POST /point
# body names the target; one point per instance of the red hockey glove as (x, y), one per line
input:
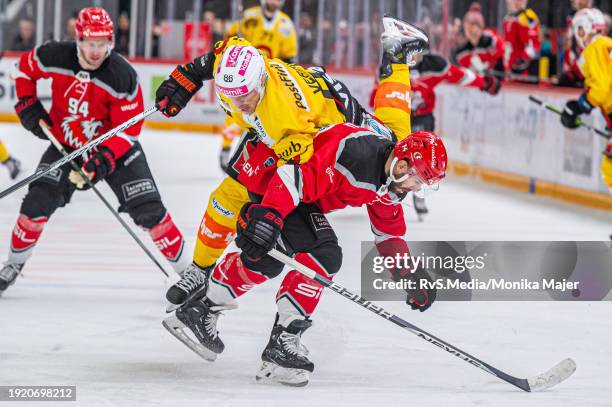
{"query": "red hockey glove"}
(422, 292)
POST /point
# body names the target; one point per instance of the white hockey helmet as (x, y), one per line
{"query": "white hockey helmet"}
(242, 69)
(586, 22)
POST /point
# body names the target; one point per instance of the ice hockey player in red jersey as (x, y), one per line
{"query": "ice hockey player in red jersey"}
(483, 51)
(93, 90)
(351, 166)
(430, 71)
(522, 39)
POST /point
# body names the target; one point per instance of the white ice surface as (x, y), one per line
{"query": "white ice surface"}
(87, 311)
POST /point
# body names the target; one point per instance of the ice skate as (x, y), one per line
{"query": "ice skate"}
(195, 324)
(193, 283)
(400, 40)
(285, 358)
(8, 275)
(13, 166)
(419, 207)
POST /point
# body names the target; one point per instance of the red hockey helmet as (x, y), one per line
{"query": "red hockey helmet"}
(425, 153)
(94, 22)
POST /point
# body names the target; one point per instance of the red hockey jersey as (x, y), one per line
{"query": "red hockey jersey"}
(85, 104)
(488, 54)
(347, 169)
(521, 37)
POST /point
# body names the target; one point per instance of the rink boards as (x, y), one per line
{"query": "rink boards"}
(503, 139)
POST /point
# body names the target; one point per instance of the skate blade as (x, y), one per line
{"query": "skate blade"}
(179, 331)
(275, 374)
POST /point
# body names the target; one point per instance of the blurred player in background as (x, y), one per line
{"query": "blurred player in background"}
(483, 51)
(570, 72)
(12, 164)
(521, 39)
(272, 32)
(588, 26)
(94, 89)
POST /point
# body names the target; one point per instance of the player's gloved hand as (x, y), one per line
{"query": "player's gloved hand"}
(258, 230)
(30, 112)
(573, 109)
(491, 85)
(423, 293)
(178, 89)
(101, 164)
(519, 66)
(224, 157)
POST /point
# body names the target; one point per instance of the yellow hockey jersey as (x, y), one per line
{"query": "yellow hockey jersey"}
(276, 38)
(295, 105)
(596, 65)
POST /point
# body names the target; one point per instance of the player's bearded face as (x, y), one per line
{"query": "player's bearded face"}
(246, 103)
(92, 52)
(411, 184)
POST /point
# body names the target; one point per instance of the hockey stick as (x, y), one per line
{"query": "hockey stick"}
(555, 375)
(93, 143)
(558, 111)
(76, 167)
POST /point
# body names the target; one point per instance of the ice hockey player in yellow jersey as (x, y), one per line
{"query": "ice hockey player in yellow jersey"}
(268, 29)
(272, 32)
(595, 63)
(12, 165)
(281, 106)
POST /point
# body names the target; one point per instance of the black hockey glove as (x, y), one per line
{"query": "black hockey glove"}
(422, 293)
(100, 165)
(178, 89)
(30, 112)
(491, 85)
(573, 109)
(258, 230)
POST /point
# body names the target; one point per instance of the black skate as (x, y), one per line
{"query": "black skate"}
(400, 41)
(8, 275)
(285, 358)
(192, 285)
(200, 319)
(14, 167)
(420, 207)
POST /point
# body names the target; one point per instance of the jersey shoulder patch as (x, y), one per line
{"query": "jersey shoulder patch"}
(358, 148)
(56, 55)
(119, 77)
